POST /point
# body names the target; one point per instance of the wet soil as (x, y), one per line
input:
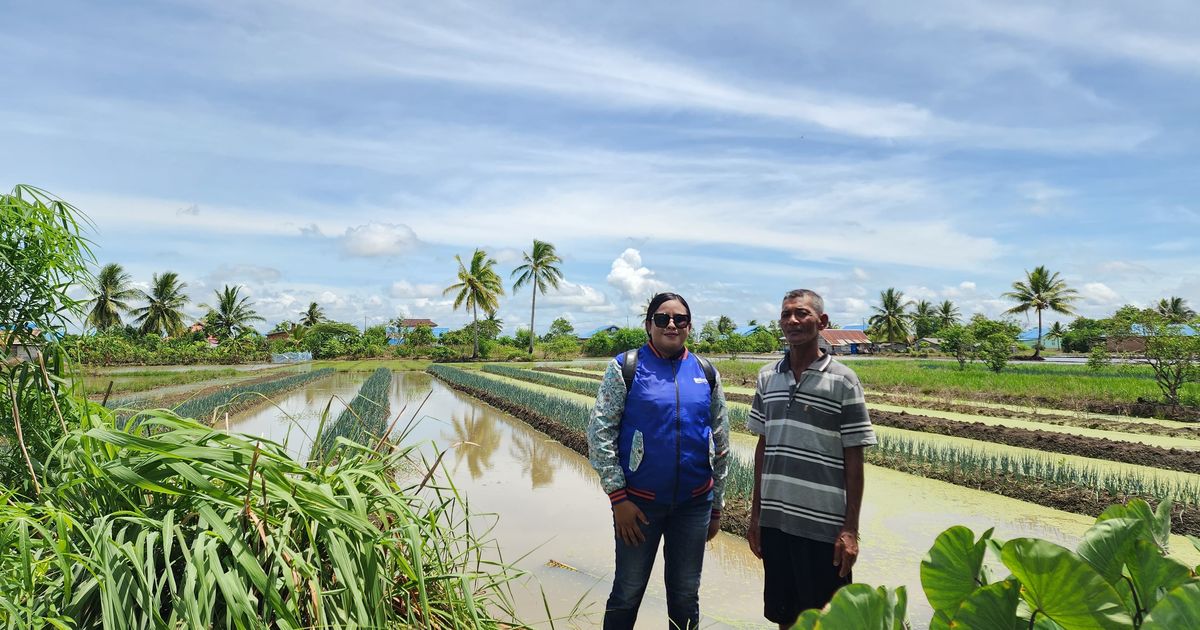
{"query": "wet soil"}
(243, 403)
(1083, 446)
(1105, 424)
(1141, 408)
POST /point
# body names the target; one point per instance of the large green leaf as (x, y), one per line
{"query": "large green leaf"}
(1154, 574)
(1062, 586)
(992, 607)
(1108, 546)
(1157, 522)
(860, 606)
(808, 620)
(1178, 610)
(950, 571)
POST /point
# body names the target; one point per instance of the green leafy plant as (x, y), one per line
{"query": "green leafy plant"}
(1119, 577)
(363, 421)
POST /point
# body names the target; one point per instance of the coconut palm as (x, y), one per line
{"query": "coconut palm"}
(478, 287)
(924, 319)
(112, 297)
(1057, 331)
(232, 315)
(1175, 310)
(1040, 291)
(312, 315)
(947, 314)
(163, 312)
(726, 325)
(890, 318)
(540, 270)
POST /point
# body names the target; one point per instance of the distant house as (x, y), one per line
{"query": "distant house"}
(929, 342)
(610, 329)
(746, 331)
(862, 327)
(31, 348)
(1136, 341)
(196, 327)
(278, 334)
(1030, 337)
(842, 341)
(396, 333)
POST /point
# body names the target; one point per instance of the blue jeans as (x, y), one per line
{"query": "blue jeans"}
(683, 529)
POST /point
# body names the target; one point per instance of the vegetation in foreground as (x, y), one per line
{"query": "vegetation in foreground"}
(1120, 577)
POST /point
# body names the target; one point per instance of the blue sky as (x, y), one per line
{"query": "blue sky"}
(345, 152)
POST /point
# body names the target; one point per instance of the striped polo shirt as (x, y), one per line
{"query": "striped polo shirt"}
(807, 427)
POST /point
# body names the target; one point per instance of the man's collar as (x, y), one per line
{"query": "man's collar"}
(819, 364)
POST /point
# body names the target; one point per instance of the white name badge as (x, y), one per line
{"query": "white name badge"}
(700, 380)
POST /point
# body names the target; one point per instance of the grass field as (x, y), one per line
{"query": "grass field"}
(142, 380)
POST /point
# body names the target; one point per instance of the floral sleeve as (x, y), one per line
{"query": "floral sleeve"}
(719, 421)
(605, 427)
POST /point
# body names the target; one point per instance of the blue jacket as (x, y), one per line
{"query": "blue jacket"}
(667, 439)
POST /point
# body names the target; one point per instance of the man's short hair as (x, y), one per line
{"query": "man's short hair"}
(814, 298)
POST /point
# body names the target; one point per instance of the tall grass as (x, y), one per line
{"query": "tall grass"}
(363, 421)
(142, 380)
(169, 523)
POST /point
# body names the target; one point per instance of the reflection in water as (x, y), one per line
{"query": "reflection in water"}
(476, 438)
(537, 461)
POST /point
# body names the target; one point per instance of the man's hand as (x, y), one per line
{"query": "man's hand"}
(754, 537)
(625, 518)
(845, 551)
(714, 526)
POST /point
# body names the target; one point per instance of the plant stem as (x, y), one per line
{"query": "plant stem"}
(37, 487)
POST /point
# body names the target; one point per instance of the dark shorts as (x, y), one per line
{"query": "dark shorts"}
(798, 575)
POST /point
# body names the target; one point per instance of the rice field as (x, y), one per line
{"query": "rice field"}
(205, 408)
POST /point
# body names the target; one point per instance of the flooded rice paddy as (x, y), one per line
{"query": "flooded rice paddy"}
(550, 518)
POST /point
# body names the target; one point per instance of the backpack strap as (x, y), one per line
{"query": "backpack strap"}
(629, 368)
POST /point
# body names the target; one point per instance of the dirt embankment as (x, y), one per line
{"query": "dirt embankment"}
(1083, 446)
(1106, 424)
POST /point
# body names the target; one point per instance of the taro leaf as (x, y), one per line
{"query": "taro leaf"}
(992, 607)
(1158, 524)
(1108, 545)
(1179, 609)
(940, 620)
(808, 620)
(1154, 574)
(951, 568)
(898, 600)
(1062, 586)
(859, 606)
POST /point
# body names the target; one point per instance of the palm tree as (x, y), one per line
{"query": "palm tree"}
(1175, 310)
(540, 269)
(890, 319)
(163, 312)
(726, 325)
(477, 286)
(112, 297)
(1040, 291)
(1056, 331)
(924, 319)
(232, 315)
(313, 315)
(947, 314)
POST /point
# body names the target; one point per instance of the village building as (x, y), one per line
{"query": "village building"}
(841, 341)
(396, 333)
(610, 329)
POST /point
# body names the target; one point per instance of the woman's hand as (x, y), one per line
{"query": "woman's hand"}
(625, 518)
(714, 526)
(754, 537)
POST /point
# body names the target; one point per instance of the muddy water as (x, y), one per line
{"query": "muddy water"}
(551, 517)
(293, 418)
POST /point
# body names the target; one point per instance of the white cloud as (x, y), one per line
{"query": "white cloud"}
(253, 273)
(579, 297)
(378, 239)
(1043, 199)
(1099, 293)
(860, 274)
(404, 289)
(635, 282)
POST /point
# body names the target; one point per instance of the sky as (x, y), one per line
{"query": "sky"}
(346, 152)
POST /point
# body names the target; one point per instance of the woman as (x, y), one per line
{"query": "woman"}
(659, 444)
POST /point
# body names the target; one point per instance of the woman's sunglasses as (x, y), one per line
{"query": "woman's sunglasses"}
(662, 319)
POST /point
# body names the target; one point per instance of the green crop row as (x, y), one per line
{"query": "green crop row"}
(737, 413)
(204, 408)
(364, 420)
(739, 482)
(970, 462)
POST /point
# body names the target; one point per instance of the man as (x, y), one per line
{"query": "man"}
(811, 419)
